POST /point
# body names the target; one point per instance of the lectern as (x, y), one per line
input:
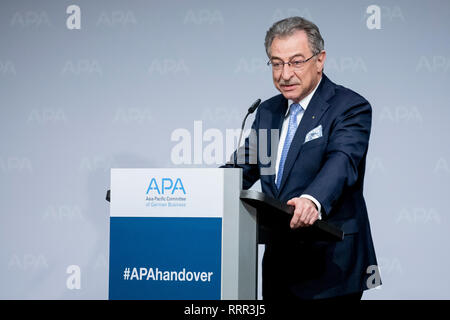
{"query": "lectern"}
(192, 234)
(181, 234)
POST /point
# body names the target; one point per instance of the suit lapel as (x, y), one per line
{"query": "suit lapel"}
(311, 119)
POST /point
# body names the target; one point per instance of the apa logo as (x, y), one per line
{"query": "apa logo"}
(203, 16)
(167, 185)
(30, 19)
(168, 66)
(80, 67)
(251, 65)
(116, 18)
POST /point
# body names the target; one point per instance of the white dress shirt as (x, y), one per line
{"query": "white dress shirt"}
(304, 103)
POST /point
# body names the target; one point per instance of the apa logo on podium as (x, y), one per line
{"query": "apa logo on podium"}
(164, 194)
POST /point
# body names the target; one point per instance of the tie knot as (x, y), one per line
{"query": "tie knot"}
(295, 109)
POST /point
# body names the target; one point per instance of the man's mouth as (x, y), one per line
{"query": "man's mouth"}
(288, 87)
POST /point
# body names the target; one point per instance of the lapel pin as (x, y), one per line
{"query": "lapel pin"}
(313, 117)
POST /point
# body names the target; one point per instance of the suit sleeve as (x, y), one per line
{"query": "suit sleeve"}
(247, 157)
(347, 145)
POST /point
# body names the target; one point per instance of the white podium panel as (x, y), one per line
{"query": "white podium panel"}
(180, 234)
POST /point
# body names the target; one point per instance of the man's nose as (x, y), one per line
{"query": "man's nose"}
(287, 72)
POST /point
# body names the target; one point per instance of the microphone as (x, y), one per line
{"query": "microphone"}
(252, 109)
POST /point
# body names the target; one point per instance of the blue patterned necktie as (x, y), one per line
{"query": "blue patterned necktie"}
(293, 113)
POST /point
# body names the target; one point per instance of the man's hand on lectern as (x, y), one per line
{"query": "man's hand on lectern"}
(305, 213)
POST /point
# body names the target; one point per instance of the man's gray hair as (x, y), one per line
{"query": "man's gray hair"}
(288, 26)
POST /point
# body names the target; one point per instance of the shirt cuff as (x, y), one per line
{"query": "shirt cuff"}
(317, 203)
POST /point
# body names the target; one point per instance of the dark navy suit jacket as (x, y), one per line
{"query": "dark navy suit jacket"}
(331, 169)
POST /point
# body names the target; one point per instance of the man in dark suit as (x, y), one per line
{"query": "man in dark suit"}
(318, 167)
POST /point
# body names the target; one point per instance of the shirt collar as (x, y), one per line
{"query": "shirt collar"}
(305, 101)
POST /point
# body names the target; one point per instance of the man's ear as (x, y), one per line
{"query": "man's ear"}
(320, 61)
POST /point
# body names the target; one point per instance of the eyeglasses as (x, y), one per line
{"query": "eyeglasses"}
(297, 64)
